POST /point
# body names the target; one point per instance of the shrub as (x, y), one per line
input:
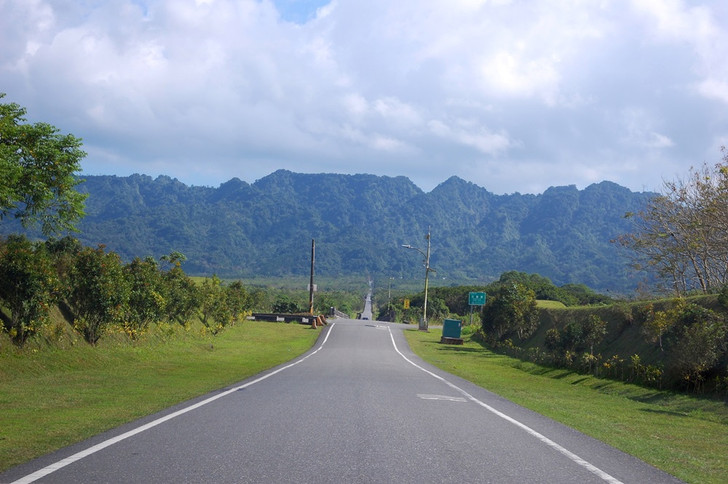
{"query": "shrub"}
(99, 292)
(27, 286)
(723, 297)
(511, 311)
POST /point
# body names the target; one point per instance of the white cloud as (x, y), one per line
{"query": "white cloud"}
(511, 75)
(396, 112)
(714, 89)
(639, 130)
(220, 88)
(702, 27)
(468, 133)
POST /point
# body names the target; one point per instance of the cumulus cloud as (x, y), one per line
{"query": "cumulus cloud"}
(512, 95)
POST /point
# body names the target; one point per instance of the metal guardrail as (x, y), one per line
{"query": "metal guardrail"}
(335, 313)
(287, 318)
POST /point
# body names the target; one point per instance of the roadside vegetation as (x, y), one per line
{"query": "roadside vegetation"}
(671, 343)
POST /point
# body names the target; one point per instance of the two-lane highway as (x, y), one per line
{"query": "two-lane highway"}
(359, 407)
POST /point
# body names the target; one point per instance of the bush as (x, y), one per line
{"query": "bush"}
(284, 305)
(723, 297)
(27, 286)
(700, 346)
(511, 311)
(99, 292)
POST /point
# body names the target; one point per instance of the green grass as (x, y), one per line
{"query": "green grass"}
(683, 435)
(50, 398)
(542, 303)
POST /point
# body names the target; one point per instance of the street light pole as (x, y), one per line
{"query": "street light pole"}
(423, 323)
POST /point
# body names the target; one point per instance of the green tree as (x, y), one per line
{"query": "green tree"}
(436, 308)
(657, 323)
(27, 286)
(215, 313)
(180, 293)
(723, 297)
(701, 345)
(238, 300)
(63, 252)
(285, 305)
(572, 337)
(37, 167)
(553, 340)
(146, 303)
(257, 298)
(595, 328)
(510, 309)
(99, 292)
(569, 294)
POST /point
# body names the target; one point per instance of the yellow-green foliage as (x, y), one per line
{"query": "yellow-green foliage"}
(550, 304)
(634, 329)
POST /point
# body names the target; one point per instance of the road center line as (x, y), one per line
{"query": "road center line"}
(575, 458)
(92, 450)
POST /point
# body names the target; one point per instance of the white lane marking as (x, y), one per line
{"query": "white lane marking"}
(92, 450)
(575, 458)
(425, 396)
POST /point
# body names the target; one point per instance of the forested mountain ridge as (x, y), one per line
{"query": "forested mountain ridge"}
(359, 223)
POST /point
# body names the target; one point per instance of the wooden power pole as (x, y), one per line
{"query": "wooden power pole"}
(310, 285)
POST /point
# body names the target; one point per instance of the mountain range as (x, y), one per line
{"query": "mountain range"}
(360, 222)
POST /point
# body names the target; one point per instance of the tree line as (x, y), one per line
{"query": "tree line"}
(91, 286)
(447, 300)
(95, 291)
(671, 343)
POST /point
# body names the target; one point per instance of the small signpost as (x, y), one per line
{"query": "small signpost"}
(475, 299)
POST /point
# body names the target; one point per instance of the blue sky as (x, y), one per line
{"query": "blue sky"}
(298, 11)
(515, 96)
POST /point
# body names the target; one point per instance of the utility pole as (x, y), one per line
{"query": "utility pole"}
(424, 326)
(423, 322)
(310, 285)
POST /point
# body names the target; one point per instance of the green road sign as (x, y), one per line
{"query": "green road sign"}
(476, 299)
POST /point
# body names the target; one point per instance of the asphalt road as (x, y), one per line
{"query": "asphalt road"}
(367, 313)
(359, 407)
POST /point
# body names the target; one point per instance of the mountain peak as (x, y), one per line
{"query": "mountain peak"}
(239, 229)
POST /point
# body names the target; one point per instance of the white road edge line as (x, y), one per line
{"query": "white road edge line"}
(575, 458)
(92, 450)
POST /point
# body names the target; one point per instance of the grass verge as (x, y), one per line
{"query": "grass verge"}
(55, 397)
(683, 435)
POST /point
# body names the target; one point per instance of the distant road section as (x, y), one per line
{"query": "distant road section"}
(367, 313)
(359, 407)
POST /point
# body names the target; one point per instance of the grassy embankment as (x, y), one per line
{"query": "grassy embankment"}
(684, 435)
(53, 397)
